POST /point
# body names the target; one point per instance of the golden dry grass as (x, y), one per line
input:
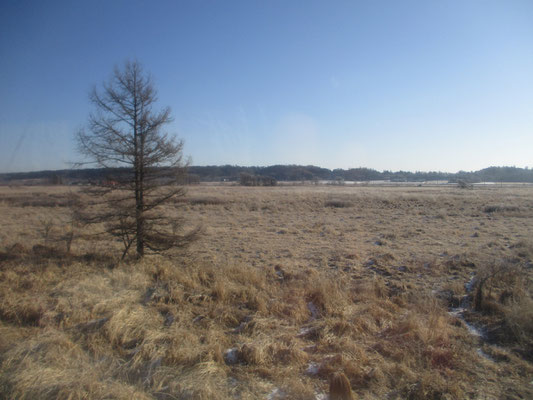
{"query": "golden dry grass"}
(287, 288)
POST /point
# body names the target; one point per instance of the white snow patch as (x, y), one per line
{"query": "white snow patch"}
(312, 369)
(484, 355)
(473, 330)
(471, 283)
(305, 331)
(276, 394)
(459, 313)
(313, 310)
(231, 356)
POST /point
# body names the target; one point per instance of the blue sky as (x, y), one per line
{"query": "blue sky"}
(412, 85)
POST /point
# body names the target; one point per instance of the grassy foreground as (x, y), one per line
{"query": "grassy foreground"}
(286, 286)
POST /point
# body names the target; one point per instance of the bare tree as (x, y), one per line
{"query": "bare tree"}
(146, 166)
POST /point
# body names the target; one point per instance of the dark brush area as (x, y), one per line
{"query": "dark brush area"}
(231, 173)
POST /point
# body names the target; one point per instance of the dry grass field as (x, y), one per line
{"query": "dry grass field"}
(412, 293)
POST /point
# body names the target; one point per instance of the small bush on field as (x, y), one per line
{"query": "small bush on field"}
(206, 201)
(338, 204)
(502, 292)
(523, 249)
(38, 200)
(464, 185)
(496, 208)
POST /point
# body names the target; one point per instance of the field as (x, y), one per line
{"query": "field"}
(412, 293)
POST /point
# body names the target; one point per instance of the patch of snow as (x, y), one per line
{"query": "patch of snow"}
(312, 369)
(473, 330)
(471, 283)
(459, 313)
(484, 355)
(305, 331)
(231, 356)
(313, 310)
(276, 394)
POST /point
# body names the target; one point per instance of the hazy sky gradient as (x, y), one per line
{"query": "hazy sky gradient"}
(412, 85)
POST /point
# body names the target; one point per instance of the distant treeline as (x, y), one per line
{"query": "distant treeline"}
(313, 173)
(233, 173)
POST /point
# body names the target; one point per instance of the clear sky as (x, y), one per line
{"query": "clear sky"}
(413, 85)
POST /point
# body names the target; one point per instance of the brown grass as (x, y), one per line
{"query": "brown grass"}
(339, 388)
(281, 297)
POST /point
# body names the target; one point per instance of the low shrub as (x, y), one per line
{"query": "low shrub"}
(338, 204)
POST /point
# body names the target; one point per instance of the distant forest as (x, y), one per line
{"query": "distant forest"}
(233, 173)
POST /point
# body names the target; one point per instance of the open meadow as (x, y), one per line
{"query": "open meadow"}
(411, 292)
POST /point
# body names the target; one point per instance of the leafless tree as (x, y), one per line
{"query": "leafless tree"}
(146, 166)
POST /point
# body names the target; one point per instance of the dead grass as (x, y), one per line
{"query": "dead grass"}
(280, 295)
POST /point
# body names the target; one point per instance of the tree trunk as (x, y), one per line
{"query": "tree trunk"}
(140, 235)
(139, 201)
(139, 212)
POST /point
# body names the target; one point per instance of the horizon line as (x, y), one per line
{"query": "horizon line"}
(281, 165)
